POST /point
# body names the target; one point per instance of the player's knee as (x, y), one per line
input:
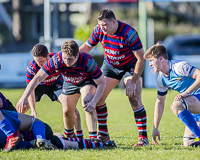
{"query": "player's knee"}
(68, 110)
(176, 107)
(86, 100)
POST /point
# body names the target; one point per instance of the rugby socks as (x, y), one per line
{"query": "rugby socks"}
(93, 134)
(141, 121)
(69, 132)
(79, 134)
(87, 144)
(7, 128)
(186, 117)
(102, 115)
(24, 145)
(39, 129)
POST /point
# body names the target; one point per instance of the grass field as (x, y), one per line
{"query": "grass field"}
(122, 129)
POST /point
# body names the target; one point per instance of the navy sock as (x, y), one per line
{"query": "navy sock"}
(186, 117)
(6, 127)
(24, 145)
(39, 129)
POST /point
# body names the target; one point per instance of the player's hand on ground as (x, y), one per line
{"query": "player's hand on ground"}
(155, 134)
(130, 89)
(22, 104)
(89, 107)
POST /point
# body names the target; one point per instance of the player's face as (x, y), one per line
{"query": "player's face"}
(107, 26)
(155, 64)
(70, 61)
(40, 60)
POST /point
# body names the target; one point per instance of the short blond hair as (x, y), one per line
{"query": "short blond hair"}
(70, 48)
(156, 51)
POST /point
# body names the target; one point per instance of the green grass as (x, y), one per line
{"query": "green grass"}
(122, 129)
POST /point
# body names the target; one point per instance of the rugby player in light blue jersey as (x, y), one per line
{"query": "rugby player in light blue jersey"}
(123, 60)
(184, 78)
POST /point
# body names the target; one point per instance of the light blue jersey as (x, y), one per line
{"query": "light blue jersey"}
(179, 79)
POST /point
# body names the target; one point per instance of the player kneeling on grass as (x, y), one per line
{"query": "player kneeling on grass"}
(179, 76)
(38, 134)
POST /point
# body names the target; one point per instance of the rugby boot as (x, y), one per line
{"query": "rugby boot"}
(141, 142)
(45, 144)
(12, 141)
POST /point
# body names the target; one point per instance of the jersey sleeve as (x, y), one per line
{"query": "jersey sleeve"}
(134, 40)
(184, 69)
(161, 89)
(30, 71)
(93, 68)
(52, 65)
(94, 37)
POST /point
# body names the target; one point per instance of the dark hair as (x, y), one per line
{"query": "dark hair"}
(40, 50)
(106, 14)
(70, 48)
(156, 51)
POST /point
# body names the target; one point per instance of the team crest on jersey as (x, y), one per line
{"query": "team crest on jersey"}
(120, 46)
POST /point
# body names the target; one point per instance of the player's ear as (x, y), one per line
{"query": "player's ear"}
(48, 57)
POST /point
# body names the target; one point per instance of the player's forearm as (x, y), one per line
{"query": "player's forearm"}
(31, 101)
(85, 47)
(99, 92)
(158, 112)
(194, 86)
(139, 67)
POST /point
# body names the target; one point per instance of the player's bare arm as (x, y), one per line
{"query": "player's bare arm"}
(139, 67)
(158, 112)
(192, 88)
(23, 102)
(101, 84)
(31, 101)
(85, 47)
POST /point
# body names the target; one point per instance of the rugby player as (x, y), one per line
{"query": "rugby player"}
(123, 60)
(38, 134)
(184, 78)
(51, 86)
(82, 77)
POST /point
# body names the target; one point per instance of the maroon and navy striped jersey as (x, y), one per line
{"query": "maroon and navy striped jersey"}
(119, 47)
(28, 135)
(33, 68)
(4, 102)
(86, 67)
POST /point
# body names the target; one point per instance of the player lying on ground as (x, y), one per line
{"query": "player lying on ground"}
(179, 76)
(38, 134)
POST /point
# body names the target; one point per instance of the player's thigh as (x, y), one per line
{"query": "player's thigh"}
(193, 104)
(26, 121)
(110, 84)
(87, 93)
(69, 102)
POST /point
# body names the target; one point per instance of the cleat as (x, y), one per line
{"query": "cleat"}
(45, 144)
(110, 143)
(101, 138)
(13, 141)
(141, 142)
(33, 143)
(195, 143)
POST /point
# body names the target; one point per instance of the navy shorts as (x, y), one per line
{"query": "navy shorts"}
(112, 72)
(12, 117)
(69, 88)
(52, 91)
